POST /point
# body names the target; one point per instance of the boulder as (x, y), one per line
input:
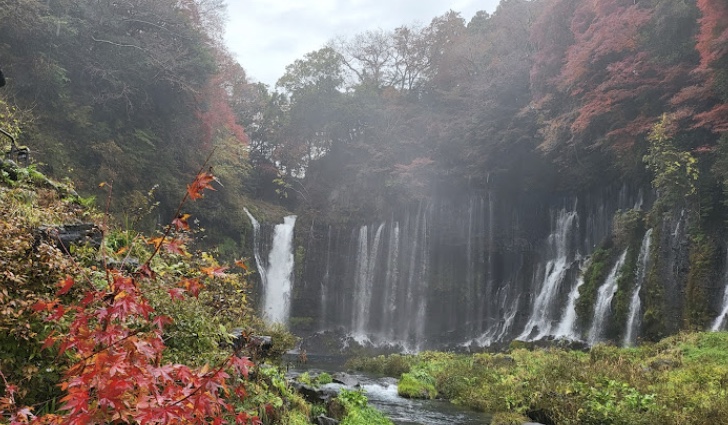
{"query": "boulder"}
(345, 379)
(312, 394)
(257, 345)
(325, 420)
(66, 235)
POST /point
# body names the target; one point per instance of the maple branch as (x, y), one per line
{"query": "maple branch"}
(208, 378)
(168, 229)
(104, 226)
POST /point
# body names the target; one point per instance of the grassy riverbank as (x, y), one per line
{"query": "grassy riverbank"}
(680, 380)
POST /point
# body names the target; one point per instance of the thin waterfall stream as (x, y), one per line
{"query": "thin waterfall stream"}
(719, 322)
(604, 300)
(633, 318)
(256, 249)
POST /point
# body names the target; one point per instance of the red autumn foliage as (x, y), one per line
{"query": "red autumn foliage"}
(117, 374)
(603, 32)
(217, 95)
(712, 43)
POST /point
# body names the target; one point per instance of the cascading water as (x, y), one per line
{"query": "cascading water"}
(633, 318)
(568, 321)
(719, 321)
(325, 282)
(366, 267)
(604, 299)
(545, 312)
(390, 282)
(470, 271)
(277, 288)
(386, 302)
(256, 249)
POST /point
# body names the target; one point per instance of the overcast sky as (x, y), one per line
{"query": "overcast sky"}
(267, 35)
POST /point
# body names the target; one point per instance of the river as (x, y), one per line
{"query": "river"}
(381, 393)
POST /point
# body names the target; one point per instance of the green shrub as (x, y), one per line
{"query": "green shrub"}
(417, 384)
(357, 410)
(508, 418)
(393, 365)
(323, 378)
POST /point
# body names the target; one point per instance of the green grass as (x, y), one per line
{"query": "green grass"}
(681, 380)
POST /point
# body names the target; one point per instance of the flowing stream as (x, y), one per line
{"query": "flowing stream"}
(381, 394)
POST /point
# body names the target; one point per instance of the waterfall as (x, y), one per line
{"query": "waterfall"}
(390, 282)
(544, 309)
(277, 290)
(366, 267)
(719, 321)
(326, 281)
(256, 249)
(604, 299)
(633, 318)
(566, 326)
(470, 299)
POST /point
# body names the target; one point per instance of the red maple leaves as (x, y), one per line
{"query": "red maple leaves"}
(202, 181)
(116, 341)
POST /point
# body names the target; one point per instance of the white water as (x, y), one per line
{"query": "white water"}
(604, 299)
(256, 249)
(568, 321)
(543, 312)
(277, 290)
(633, 318)
(366, 267)
(416, 311)
(390, 294)
(325, 281)
(719, 321)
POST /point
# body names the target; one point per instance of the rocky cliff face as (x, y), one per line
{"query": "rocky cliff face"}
(485, 268)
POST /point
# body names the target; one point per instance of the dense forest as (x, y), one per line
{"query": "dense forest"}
(543, 93)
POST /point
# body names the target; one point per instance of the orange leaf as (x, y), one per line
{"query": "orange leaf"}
(65, 285)
(241, 264)
(156, 241)
(43, 305)
(193, 286)
(202, 182)
(215, 271)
